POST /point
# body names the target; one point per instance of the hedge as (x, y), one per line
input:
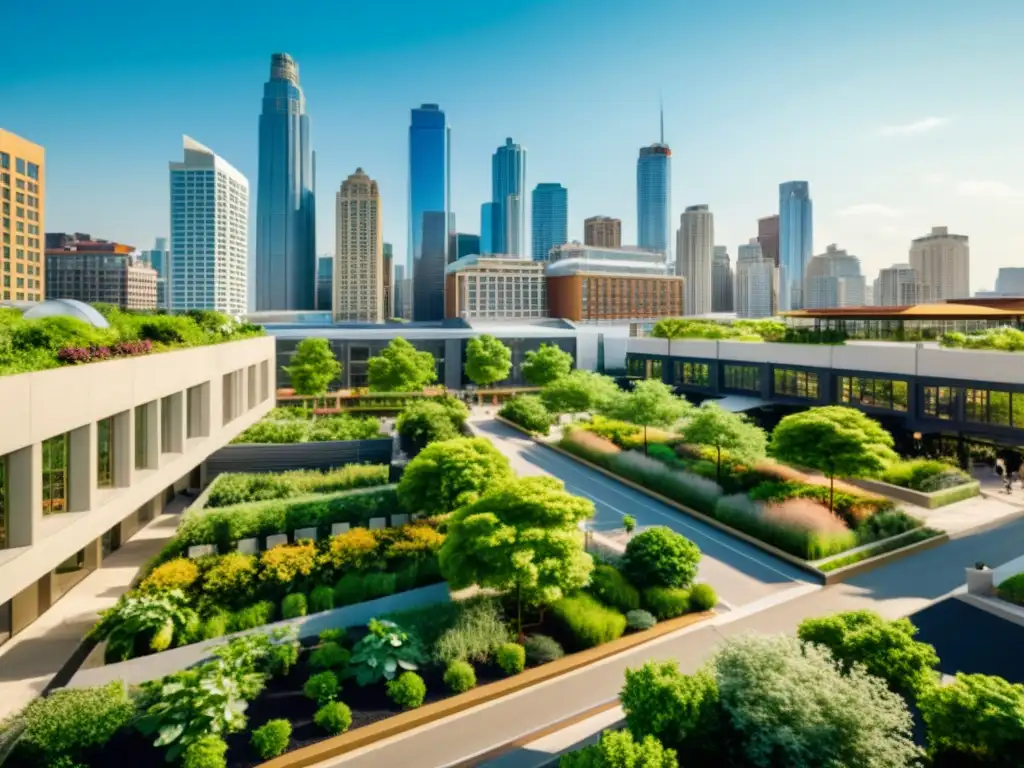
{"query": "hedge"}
(242, 487)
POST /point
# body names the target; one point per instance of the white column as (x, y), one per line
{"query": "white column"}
(25, 495)
(82, 468)
(124, 448)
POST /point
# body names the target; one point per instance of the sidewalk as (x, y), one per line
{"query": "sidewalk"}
(30, 660)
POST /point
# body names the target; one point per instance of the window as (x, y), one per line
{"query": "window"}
(997, 407)
(693, 374)
(105, 453)
(194, 407)
(653, 370)
(941, 402)
(879, 393)
(5, 522)
(792, 383)
(141, 436)
(746, 377)
(228, 397)
(55, 474)
(634, 366)
(166, 424)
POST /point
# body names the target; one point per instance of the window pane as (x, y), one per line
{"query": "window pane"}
(4, 522)
(899, 396)
(105, 453)
(999, 408)
(55, 481)
(141, 436)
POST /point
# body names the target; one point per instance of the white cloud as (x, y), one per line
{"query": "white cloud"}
(876, 210)
(913, 129)
(988, 189)
(935, 178)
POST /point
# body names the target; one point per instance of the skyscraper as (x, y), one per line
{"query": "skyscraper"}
(359, 252)
(721, 280)
(768, 237)
(462, 244)
(654, 196)
(796, 242)
(389, 278)
(23, 190)
(285, 206)
(508, 187)
(694, 247)
(159, 259)
(755, 281)
(429, 200)
(487, 229)
(602, 231)
(896, 286)
(550, 218)
(324, 283)
(833, 279)
(209, 232)
(943, 265)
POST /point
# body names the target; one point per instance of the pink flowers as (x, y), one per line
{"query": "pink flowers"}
(76, 355)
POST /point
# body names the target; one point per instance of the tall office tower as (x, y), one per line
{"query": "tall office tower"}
(833, 280)
(756, 276)
(508, 188)
(654, 196)
(389, 277)
(359, 252)
(550, 218)
(721, 280)
(869, 293)
(462, 244)
(159, 259)
(694, 247)
(768, 237)
(324, 283)
(430, 142)
(487, 229)
(23, 190)
(896, 286)
(796, 246)
(400, 306)
(1010, 281)
(943, 265)
(285, 204)
(209, 232)
(602, 231)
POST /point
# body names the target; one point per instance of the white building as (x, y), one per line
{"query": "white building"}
(943, 265)
(833, 279)
(695, 244)
(646, 260)
(495, 288)
(359, 252)
(756, 282)
(209, 233)
(897, 286)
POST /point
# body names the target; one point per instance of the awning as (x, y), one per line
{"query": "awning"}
(740, 403)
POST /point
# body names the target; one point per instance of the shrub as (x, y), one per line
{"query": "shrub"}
(609, 586)
(702, 597)
(977, 716)
(322, 687)
(349, 590)
(179, 573)
(640, 620)
(384, 651)
(529, 412)
(321, 599)
(586, 622)
(666, 602)
(679, 710)
(231, 489)
(449, 474)
(619, 749)
(141, 623)
(618, 432)
(329, 655)
(252, 616)
(477, 633)
(205, 752)
(460, 676)
(271, 739)
(407, 690)
(282, 657)
(916, 474)
(334, 717)
(426, 421)
(333, 635)
(1012, 589)
(354, 550)
(281, 566)
(583, 443)
(511, 657)
(230, 581)
(278, 432)
(414, 542)
(293, 606)
(379, 584)
(682, 487)
(660, 557)
(798, 526)
(541, 649)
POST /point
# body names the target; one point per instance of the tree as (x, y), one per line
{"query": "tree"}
(651, 403)
(545, 365)
(660, 557)
(452, 473)
(487, 360)
(886, 649)
(529, 412)
(976, 716)
(580, 391)
(313, 367)
(425, 422)
(400, 367)
(671, 328)
(618, 749)
(835, 441)
(628, 524)
(524, 536)
(720, 429)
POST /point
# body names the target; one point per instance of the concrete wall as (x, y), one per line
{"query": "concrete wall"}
(248, 457)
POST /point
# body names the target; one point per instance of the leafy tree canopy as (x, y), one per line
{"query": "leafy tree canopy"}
(429, 421)
(618, 749)
(731, 432)
(448, 474)
(977, 715)
(400, 367)
(545, 365)
(651, 403)
(660, 557)
(488, 361)
(835, 440)
(580, 391)
(313, 367)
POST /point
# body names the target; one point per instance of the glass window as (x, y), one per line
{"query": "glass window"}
(746, 377)
(141, 436)
(880, 393)
(105, 453)
(55, 474)
(693, 374)
(166, 422)
(653, 370)
(793, 383)
(68, 574)
(940, 402)
(4, 514)
(635, 366)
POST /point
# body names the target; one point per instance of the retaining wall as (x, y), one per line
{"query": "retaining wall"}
(273, 457)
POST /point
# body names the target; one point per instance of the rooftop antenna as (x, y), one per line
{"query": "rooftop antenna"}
(661, 111)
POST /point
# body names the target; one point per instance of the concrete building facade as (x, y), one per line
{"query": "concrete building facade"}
(359, 252)
(695, 242)
(756, 282)
(481, 288)
(721, 281)
(101, 271)
(158, 257)
(602, 231)
(22, 223)
(943, 265)
(897, 286)
(833, 280)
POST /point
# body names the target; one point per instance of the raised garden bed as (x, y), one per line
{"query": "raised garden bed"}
(932, 500)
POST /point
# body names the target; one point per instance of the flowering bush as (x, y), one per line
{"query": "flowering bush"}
(283, 565)
(798, 526)
(75, 355)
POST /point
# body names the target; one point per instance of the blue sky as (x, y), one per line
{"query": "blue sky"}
(902, 115)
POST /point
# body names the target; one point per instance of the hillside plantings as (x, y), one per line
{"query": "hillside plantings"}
(529, 412)
(244, 487)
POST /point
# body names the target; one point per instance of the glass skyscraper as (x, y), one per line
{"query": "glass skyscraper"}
(796, 245)
(429, 200)
(550, 219)
(508, 186)
(487, 229)
(285, 213)
(654, 198)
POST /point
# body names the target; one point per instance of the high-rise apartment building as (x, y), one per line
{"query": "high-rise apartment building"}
(833, 280)
(389, 277)
(487, 229)
(359, 252)
(22, 200)
(429, 210)
(694, 247)
(768, 237)
(943, 265)
(721, 280)
(550, 218)
(508, 191)
(101, 271)
(602, 231)
(462, 244)
(654, 198)
(796, 242)
(159, 259)
(285, 276)
(896, 286)
(209, 232)
(324, 283)
(401, 301)
(756, 278)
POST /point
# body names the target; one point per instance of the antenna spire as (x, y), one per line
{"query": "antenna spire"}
(661, 111)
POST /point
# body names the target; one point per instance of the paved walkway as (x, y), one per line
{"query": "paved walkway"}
(30, 660)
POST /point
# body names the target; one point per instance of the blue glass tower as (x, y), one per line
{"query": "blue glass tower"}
(550, 219)
(654, 198)
(796, 246)
(285, 213)
(508, 187)
(429, 198)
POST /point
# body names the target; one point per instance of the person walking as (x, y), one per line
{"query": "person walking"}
(1003, 473)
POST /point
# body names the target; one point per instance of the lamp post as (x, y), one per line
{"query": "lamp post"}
(917, 443)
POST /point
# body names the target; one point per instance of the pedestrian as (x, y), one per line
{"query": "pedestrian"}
(1013, 466)
(1003, 474)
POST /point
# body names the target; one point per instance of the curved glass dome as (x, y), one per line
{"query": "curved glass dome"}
(67, 308)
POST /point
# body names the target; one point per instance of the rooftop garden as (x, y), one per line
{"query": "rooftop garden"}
(52, 342)
(1004, 339)
(675, 329)
(302, 425)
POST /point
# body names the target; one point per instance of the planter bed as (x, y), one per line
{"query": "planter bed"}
(894, 544)
(932, 500)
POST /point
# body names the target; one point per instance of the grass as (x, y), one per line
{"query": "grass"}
(914, 537)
